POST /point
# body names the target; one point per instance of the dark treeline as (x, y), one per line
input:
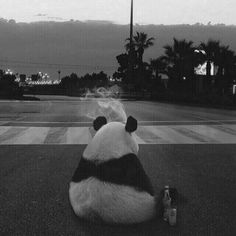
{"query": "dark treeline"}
(9, 88)
(172, 76)
(71, 85)
(74, 85)
(90, 43)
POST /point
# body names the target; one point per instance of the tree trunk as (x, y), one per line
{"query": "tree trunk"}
(208, 69)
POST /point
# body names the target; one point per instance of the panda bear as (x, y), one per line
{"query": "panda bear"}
(110, 184)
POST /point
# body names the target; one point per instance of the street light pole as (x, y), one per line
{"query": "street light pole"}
(59, 75)
(131, 49)
(131, 23)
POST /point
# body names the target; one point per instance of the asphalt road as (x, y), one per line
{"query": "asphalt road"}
(74, 111)
(34, 178)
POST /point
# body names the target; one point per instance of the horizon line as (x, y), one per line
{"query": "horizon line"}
(104, 22)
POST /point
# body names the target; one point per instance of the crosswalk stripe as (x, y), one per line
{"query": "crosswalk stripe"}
(162, 134)
(3, 129)
(56, 135)
(31, 135)
(213, 134)
(191, 135)
(231, 129)
(78, 135)
(151, 135)
(11, 134)
(172, 135)
(139, 140)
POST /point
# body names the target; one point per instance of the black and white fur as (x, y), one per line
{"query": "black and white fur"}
(110, 184)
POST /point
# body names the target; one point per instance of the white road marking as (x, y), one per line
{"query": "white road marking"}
(46, 122)
(214, 134)
(139, 140)
(33, 135)
(169, 135)
(187, 121)
(3, 129)
(163, 134)
(140, 122)
(78, 135)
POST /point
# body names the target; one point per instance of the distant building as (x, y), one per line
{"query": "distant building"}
(34, 77)
(22, 78)
(1, 73)
(201, 69)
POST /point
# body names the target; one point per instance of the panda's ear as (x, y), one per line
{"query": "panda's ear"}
(131, 124)
(99, 122)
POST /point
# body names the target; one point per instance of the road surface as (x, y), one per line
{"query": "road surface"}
(190, 148)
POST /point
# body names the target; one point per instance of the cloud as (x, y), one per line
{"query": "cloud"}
(55, 18)
(49, 17)
(99, 22)
(40, 14)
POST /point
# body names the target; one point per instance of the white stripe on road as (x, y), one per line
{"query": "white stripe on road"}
(174, 134)
(78, 135)
(213, 133)
(32, 135)
(168, 135)
(90, 122)
(3, 129)
(46, 122)
(139, 140)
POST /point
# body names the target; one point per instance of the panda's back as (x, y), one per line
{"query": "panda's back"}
(96, 200)
(126, 171)
(116, 191)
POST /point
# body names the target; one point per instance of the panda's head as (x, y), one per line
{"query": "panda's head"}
(112, 140)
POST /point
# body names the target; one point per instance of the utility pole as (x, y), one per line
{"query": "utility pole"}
(131, 49)
(131, 23)
(59, 74)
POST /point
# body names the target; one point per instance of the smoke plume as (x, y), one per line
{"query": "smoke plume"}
(104, 102)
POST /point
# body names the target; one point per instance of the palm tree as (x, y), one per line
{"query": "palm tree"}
(180, 58)
(157, 66)
(141, 42)
(211, 49)
(225, 61)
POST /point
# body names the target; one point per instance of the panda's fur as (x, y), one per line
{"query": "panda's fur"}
(110, 184)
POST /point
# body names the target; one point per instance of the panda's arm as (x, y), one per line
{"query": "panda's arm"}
(84, 170)
(136, 174)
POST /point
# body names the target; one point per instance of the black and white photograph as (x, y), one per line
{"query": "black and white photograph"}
(117, 117)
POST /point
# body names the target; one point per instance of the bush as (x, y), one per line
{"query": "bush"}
(10, 89)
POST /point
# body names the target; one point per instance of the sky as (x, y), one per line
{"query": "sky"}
(118, 11)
